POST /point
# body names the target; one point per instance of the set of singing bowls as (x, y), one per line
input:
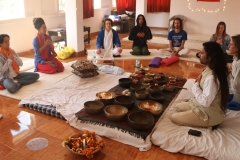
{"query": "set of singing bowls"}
(150, 106)
(125, 82)
(93, 107)
(115, 112)
(106, 97)
(136, 86)
(126, 101)
(141, 120)
(156, 89)
(141, 94)
(158, 97)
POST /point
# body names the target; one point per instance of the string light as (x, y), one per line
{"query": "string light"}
(204, 10)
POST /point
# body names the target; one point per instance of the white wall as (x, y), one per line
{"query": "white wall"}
(204, 22)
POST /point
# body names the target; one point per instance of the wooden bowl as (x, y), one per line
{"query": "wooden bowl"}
(97, 138)
(115, 112)
(106, 97)
(125, 82)
(93, 107)
(150, 106)
(126, 101)
(141, 120)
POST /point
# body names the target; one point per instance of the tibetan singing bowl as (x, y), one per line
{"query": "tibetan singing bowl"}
(150, 106)
(141, 120)
(106, 97)
(93, 107)
(115, 112)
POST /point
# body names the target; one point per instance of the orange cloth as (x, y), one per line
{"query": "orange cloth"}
(5, 53)
(44, 54)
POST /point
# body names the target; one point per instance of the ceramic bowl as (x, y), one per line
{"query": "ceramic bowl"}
(125, 82)
(141, 94)
(106, 97)
(137, 86)
(158, 97)
(126, 101)
(141, 120)
(115, 112)
(93, 107)
(150, 106)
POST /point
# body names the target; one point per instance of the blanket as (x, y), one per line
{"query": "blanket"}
(221, 143)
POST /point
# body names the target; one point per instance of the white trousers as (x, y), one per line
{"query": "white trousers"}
(167, 51)
(103, 52)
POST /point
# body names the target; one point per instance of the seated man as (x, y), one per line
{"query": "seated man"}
(108, 42)
(177, 38)
(140, 34)
(210, 90)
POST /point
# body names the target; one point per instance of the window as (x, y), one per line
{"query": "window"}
(114, 6)
(11, 9)
(97, 4)
(61, 4)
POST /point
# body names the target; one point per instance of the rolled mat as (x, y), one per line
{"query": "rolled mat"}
(233, 106)
(170, 60)
(1, 87)
(155, 63)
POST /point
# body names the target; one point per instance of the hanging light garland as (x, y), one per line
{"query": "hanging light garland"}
(206, 10)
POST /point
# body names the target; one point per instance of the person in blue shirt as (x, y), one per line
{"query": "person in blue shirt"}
(221, 37)
(108, 42)
(177, 37)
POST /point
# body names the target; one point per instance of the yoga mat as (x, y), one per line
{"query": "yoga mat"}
(155, 63)
(233, 106)
(170, 60)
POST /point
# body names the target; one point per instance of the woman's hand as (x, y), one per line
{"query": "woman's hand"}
(230, 68)
(219, 41)
(48, 42)
(11, 56)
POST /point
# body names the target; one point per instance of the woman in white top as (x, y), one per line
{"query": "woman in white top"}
(234, 76)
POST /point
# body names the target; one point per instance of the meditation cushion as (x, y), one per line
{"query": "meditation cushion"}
(155, 63)
(84, 69)
(170, 60)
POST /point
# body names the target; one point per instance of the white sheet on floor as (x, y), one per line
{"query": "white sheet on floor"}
(194, 41)
(125, 55)
(44, 81)
(221, 144)
(69, 95)
(28, 63)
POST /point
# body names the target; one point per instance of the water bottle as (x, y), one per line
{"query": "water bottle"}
(94, 60)
(137, 63)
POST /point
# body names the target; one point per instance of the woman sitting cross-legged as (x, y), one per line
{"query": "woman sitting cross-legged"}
(140, 34)
(108, 42)
(44, 54)
(10, 76)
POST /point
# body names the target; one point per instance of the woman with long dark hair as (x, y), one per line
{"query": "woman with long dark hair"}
(139, 35)
(221, 37)
(234, 76)
(210, 91)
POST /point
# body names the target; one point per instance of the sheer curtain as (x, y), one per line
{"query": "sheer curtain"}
(158, 5)
(88, 9)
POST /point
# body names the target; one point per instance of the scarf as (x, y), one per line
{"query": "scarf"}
(5, 53)
(45, 54)
(108, 44)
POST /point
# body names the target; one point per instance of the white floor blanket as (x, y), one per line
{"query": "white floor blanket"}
(44, 81)
(125, 55)
(28, 63)
(194, 41)
(69, 95)
(221, 144)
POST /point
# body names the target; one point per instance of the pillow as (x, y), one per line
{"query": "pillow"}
(86, 74)
(82, 66)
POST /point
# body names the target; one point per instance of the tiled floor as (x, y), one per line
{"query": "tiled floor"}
(19, 125)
